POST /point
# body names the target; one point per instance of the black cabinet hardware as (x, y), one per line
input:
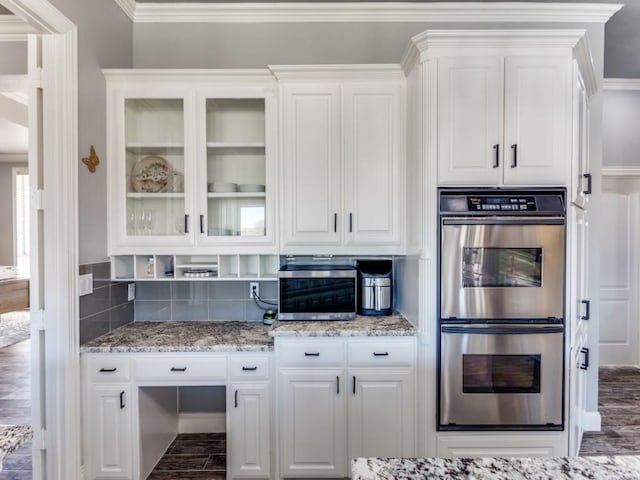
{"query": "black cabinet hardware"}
(585, 364)
(350, 222)
(249, 369)
(514, 162)
(236, 399)
(122, 400)
(186, 223)
(496, 147)
(587, 310)
(335, 222)
(588, 190)
(354, 384)
(178, 369)
(338, 384)
(108, 370)
(380, 354)
(201, 223)
(311, 354)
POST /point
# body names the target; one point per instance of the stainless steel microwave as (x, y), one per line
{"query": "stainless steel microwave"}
(317, 292)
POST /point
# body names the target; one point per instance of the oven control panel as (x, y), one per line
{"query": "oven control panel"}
(490, 203)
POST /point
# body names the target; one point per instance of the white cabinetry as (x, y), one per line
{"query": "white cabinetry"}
(343, 163)
(192, 161)
(504, 120)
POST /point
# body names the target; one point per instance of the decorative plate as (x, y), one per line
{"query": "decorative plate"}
(150, 175)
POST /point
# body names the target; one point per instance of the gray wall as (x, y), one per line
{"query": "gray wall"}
(6, 212)
(621, 121)
(13, 58)
(104, 41)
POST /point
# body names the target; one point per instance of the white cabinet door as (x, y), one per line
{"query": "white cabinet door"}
(577, 396)
(381, 413)
(311, 166)
(581, 189)
(470, 113)
(313, 423)
(581, 299)
(372, 142)
(109, 432)
(537, 129)
(248, 431)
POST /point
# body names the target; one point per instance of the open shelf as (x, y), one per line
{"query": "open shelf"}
(154, 195)
(237, 195)
(154, 148)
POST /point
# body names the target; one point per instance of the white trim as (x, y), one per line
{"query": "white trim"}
(14, 157)
(592, 422)
(168, 76)
(41, 15)
(367, 12)
(582, 54)
(621, 171)
(12, 29)
(621, 84)
(337, 72)
(14, 83)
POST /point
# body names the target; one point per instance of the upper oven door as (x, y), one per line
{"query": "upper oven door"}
(502, 268)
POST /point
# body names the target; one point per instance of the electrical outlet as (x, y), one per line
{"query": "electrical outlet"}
(85, 284)
(254, 287)
(131, 292)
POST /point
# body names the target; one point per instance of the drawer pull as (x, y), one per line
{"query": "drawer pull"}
(338, 384)
(249, 369)
(108, 370)
(122, 405)
(311, 354)
(354, 384)
(380, 354)
(236, 399)
(178, 369)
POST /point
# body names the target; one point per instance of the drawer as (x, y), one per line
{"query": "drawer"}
(180, 368)
(312, 354)
(390, 353)
(108, 368)
(249, 368)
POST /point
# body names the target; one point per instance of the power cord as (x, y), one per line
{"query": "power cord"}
(257, 298)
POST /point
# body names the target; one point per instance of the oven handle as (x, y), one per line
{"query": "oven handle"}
(504, 221)
(502, 330)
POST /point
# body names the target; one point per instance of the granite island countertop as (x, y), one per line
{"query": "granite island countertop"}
(204, 336)
(393, 325)
(556, 468)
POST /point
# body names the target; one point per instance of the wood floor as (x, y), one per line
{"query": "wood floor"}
(619, 405)
(15, 405)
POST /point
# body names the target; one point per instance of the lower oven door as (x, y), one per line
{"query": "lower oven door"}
(504, 376)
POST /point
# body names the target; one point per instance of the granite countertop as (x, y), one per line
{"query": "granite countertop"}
(559, 468)
(183, 337)
(11, 437)
(392, 325)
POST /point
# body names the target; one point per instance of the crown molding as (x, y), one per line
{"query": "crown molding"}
(210, 76)
(621, 84)
(582, 54)
(367, 12)
(410, 58)
(337, 72)
(43, 17)
(12, 29)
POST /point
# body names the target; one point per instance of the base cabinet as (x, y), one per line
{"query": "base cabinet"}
(248, 428)
(109, 434)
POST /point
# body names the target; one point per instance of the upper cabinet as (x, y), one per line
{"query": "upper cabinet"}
(342, 164)
(192, 162)
(503, 120)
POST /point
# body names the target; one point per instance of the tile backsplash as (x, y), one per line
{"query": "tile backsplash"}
(200, 300)
(107, 307)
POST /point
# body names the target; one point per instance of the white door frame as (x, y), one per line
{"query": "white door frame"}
(54, 280)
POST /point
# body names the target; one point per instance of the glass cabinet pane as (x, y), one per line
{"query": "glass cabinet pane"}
(236, 179)
(155, 167)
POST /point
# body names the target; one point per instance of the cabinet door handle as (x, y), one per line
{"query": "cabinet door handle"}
(178, 369)
(588, 190)
(496, 147)
(249, 369)
(338, 384)
(350, 222)
(514, 162)
(587, 310)
(186, 223)
(335, 222)
(585, 364)
(380, 354)
(108, 370)
(201, 223)
(122, 405)
(354, 384)
(311, 354)
(236, 399)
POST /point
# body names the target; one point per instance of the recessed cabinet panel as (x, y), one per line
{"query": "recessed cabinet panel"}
(469, 120)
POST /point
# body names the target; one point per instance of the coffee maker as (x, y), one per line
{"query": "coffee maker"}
(375, 284)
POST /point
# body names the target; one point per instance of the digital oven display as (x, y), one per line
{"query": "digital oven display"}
(501, 204)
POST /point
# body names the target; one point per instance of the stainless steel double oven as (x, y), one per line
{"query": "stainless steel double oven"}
(501, 331)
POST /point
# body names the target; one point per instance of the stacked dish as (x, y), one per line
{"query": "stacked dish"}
(222, 187)
(250, 187)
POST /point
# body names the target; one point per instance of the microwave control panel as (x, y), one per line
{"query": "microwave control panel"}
(520, 204)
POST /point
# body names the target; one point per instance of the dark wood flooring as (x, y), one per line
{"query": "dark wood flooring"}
(15, 405)
(619, 405)
(193, 456)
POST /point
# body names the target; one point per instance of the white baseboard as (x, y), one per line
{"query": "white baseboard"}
(592, 421)
(202, 422)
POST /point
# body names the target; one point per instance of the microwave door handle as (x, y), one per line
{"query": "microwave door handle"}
(468, 330)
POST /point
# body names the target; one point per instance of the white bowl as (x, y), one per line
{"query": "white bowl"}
(222, 187)
(250, 187)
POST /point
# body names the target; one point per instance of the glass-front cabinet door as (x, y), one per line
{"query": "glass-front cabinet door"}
(235, 171)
